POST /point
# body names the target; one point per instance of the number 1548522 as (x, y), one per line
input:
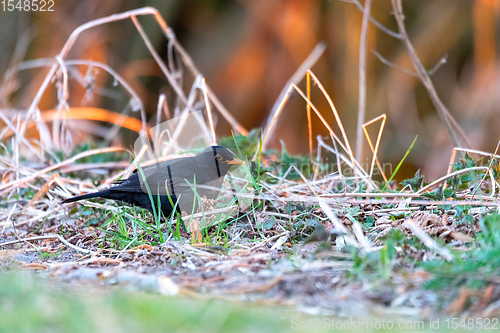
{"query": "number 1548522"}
(27, 5)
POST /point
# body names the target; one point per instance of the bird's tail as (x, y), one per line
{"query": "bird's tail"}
(85, 196)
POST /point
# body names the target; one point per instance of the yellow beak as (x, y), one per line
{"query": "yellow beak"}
(235, 161)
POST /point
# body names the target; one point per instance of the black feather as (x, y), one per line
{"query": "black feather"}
(171, 182)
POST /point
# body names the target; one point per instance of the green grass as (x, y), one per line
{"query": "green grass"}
(32, 304)
(399, 164)
(475, 268)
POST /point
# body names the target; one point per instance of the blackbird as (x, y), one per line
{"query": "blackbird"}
(185, 180)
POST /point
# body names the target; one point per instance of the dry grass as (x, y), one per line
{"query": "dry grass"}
(257, 240)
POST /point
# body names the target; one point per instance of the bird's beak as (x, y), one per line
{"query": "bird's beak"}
(235, 161)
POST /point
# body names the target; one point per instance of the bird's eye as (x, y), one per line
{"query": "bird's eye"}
(218, 157)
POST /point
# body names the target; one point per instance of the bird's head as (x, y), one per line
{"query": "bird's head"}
(220, 158)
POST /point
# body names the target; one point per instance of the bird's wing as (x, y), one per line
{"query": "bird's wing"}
(136, 171)
(155, 185)
(168, 176)
(163, 163)
(173, 176)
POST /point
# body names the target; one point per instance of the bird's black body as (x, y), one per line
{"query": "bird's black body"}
(180, 182)
(139, 199)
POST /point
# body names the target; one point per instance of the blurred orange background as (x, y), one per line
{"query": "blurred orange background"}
(248, 49)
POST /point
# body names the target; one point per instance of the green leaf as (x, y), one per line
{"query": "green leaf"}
(415, 183)
(468, 219)
(370, 221)
(449, 192)
(434, 195)
(269, 223)
(92, 221)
